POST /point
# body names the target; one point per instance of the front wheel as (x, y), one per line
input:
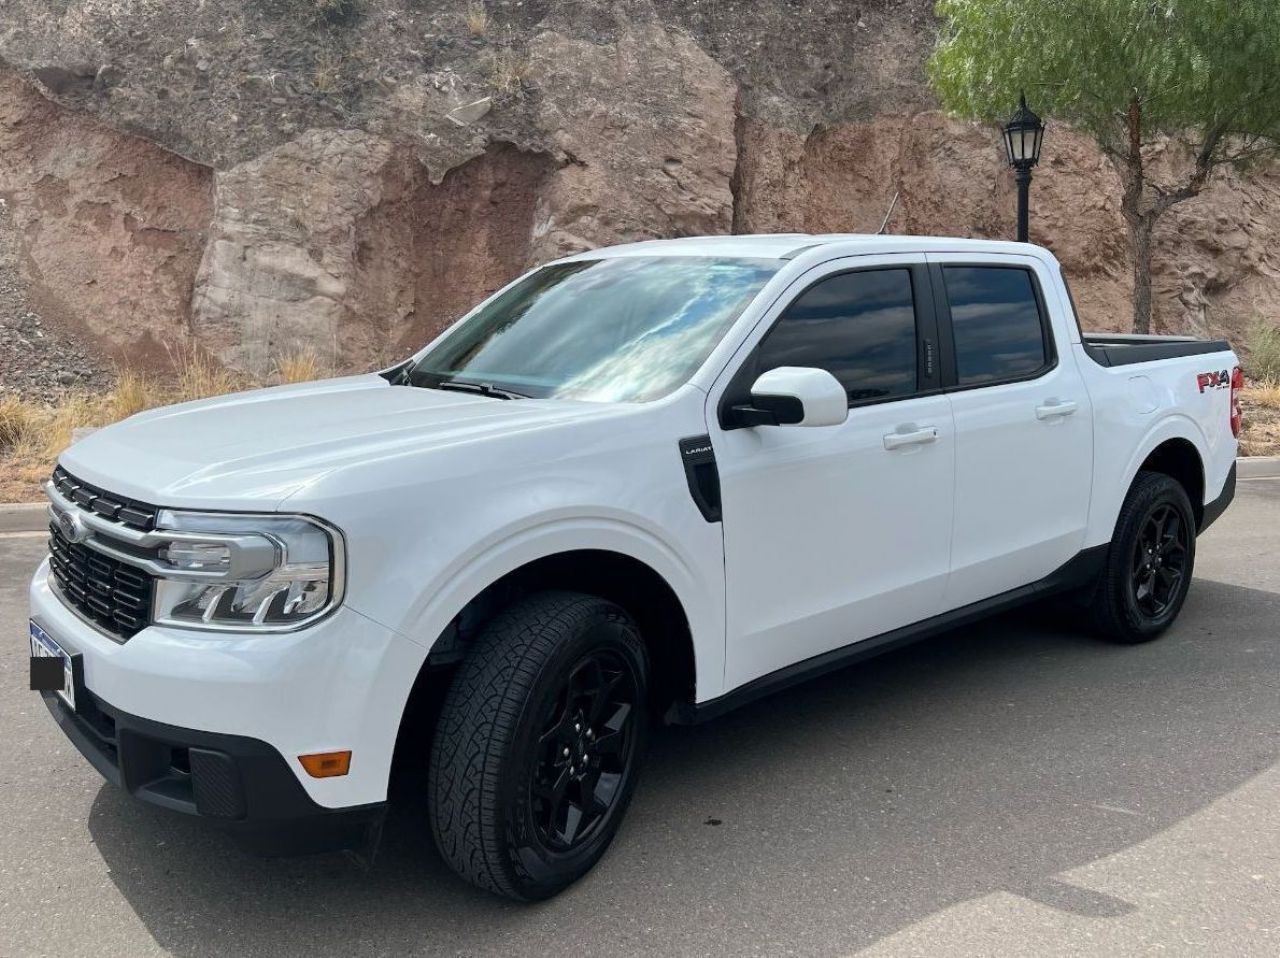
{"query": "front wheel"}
(1149, 565)
(538, 746)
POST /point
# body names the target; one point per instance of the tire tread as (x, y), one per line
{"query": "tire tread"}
(1108, 607)
(479, 718)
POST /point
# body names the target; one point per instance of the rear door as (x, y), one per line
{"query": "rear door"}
(838, 533)
(1024, 426)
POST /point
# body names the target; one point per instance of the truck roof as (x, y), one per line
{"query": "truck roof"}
(790, 245)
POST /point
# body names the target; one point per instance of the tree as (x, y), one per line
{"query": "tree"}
(1127, 72)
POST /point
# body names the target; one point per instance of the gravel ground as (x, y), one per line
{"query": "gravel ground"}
(38, 361)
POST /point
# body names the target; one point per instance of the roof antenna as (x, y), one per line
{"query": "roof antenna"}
(885, 221)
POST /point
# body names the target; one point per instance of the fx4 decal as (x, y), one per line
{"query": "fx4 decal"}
(1218, 380)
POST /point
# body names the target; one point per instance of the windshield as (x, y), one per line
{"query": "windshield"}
(625, 329)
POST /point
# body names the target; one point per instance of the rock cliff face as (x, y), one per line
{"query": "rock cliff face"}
(347, 176)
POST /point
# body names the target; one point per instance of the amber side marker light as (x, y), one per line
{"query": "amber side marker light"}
(326, 764)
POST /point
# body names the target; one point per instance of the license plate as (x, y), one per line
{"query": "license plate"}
(43, 646)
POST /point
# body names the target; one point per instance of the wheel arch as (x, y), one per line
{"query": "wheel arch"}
(615, 560)
(1174, 446)
(1179, 459)
(620, 578)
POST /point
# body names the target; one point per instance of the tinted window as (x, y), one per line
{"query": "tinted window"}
(996, 321)
(625, 329)
(860, 327)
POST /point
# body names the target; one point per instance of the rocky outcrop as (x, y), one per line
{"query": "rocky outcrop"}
(345, 179)
(109, 227)
(646, 127)
(950, 179)
(342, 243)
(339, 243)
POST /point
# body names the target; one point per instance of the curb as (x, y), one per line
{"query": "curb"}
(30, 516)
(23, 517)
(1258, 467)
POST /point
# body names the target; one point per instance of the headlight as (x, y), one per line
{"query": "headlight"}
(246, 573)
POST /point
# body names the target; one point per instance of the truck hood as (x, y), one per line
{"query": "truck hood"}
(255, 449)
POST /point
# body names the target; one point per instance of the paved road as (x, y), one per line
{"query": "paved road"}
(1014, 788)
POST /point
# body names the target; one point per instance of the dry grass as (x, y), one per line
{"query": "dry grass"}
(200, 377)
(1260, 404)
(477, 19)
(15, 421)
(300, 368)
(327, 73)
(1265, 394)
(32, 435)
(1262, 352)
(507, 71)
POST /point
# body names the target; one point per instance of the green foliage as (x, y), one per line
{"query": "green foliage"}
(1263, 363)
(1209, 68)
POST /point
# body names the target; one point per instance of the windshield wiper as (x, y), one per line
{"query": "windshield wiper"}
(482, 389)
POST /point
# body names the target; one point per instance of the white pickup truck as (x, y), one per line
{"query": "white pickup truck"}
(649, 482)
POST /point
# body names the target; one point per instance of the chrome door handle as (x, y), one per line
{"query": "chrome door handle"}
(910, 435)
(1054, 408)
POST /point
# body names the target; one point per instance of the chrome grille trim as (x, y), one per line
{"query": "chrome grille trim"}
(105, 587)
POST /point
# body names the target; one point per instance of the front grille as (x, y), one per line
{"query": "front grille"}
(137, 515)
(113, 594)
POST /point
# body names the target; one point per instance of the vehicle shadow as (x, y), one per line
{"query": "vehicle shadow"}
(815, 822)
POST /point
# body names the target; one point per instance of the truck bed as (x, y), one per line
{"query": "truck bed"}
(1123, 349)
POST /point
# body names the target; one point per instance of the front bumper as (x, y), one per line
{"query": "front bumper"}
(240, 784)
(262, 701)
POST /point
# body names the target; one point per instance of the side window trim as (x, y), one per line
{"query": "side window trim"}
(928, 338)
(1071, 303)
(946, 328)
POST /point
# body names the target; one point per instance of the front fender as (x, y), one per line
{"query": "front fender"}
(427, 616)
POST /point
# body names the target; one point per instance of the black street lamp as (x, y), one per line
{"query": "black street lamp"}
(1022, 137)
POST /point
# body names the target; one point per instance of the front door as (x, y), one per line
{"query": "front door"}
(835, 534)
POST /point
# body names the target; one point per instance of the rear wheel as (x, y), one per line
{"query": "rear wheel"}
(1149, 565)
(538, 746)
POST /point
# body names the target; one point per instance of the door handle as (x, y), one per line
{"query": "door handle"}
(1054, 408)
(910, 435)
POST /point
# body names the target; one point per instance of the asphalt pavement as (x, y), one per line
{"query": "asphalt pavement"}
(1013, 788)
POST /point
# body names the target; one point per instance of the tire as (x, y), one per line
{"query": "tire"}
(1148, 570)
(514, 807)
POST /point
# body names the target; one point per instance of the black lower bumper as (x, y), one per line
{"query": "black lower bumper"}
(1212, 510)
(240, 784)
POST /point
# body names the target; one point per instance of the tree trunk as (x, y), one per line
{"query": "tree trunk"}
(1140, 256)
(1139, 223)
(1140, 214)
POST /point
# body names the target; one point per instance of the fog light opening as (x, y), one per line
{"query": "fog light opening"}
(180, 761)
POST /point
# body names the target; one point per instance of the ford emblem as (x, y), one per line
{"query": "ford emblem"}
(72, 527)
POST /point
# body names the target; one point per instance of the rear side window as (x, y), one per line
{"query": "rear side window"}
(995, 319)
(860, 327)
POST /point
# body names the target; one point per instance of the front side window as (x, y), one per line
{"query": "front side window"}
(995, 319)
(624, 329)
(859, 326)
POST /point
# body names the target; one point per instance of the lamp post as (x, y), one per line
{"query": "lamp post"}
(1022, 137)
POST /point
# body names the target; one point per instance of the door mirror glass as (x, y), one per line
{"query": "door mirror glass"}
(795, 396)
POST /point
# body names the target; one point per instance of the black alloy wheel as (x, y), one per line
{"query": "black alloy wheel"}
(586, 750)
(1148, 568)
(1159, 561)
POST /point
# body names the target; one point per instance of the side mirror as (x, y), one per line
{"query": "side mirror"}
(795, 396)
